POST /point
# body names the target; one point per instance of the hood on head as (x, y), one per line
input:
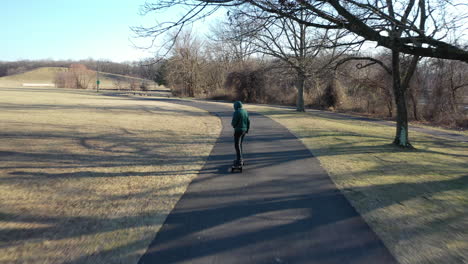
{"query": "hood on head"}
(237, 105)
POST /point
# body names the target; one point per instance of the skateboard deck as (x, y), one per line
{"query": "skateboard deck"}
(236, 167)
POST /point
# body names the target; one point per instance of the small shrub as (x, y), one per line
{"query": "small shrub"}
(144, 86)
(462, 122)
(118, 84)
(247, 85)
(133, 85)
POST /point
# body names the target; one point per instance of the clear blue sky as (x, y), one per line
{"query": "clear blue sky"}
(70, 29)
(78, 29)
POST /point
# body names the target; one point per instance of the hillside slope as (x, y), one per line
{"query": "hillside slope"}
(46, 75)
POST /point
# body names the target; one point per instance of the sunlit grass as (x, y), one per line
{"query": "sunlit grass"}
(39, 75)
(416, 200)
(90, 179)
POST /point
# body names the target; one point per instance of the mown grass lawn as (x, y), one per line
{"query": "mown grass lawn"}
(415, 200)
(86, 178)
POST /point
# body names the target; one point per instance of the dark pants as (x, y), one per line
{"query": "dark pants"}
(238, 139)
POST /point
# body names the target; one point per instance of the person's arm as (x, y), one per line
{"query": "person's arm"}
(248, 124)
(235, 119)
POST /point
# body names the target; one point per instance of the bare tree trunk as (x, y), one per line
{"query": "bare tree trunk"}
(453, 90)
(401, 137)
(300, 73)
(453, 101)
(415, 106)
(300, 83)
(390, 109)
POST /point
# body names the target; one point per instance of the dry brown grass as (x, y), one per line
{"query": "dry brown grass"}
(90, 179)
(416, 201)
(46, 75)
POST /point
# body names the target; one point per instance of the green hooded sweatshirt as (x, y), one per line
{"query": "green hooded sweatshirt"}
(240, 118)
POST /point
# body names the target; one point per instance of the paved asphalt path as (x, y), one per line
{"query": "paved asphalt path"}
(283, 208)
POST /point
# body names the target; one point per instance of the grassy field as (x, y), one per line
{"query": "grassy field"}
(416, 201)
(89, 179)
(46, 75)
(86, 178)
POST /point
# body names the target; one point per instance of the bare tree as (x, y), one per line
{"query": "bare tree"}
(118, 84)
(414, 27)
(133, 85)
(285, 39)
(457, 79)
(60, 80)
(234, 38)
(185, 65)
(447, 83)
(370, 83)
(373, 20)
(77, 76)
(81, 75)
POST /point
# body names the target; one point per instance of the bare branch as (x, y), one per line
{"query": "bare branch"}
(373, 61)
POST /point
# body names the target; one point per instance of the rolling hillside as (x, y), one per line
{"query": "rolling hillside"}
(46, 76)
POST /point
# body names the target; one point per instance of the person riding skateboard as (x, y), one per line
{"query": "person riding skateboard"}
(241, 124)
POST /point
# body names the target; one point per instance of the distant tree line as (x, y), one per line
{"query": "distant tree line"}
(299, 34)
(223, 68)
(300, 42)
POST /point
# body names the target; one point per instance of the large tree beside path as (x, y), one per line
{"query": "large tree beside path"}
(421, 28)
